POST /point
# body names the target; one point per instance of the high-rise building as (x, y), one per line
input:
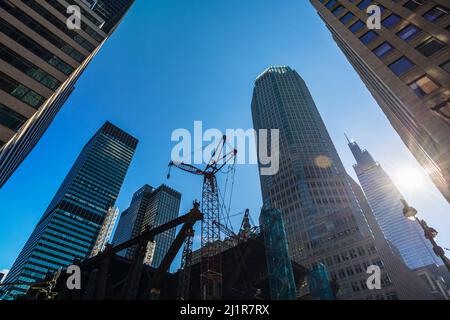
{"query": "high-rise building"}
(323, 220)
(384, 200)
(123, 230)
(406, 67)
(404, 277)
(149, 208)
(163, 207)
(130, 223)
(71, 224)
(41, 59)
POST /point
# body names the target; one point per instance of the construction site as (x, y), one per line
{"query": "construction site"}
(250, 264)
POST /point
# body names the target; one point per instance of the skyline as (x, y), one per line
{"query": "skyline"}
(405, 235)
(70, 227)
(218, 105)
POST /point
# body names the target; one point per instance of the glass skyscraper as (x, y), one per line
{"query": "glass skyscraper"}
(130, 223)
(384, 200)
(323, 220)
(149, 208)
(70, 226)
(41, 59)
(406, 67)
(163, 207)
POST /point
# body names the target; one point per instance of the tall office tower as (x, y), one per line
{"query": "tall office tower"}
(130, 223)
(149, 208)
(323, 220)
(163, 207)
(123, 230)
(70, 226)
(406, 278)
(41, 59)
(384, 199)
(406, 66)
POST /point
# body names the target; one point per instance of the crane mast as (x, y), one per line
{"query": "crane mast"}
(211, 260)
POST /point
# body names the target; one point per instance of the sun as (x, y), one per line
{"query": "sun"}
(409, 178)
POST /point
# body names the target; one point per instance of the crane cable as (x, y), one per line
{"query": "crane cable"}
(225, 216)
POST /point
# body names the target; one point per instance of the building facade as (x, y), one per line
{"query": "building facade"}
(130, 224)
(403, 276)
(123, 229)
(384, 200)
(41, 59)
(163, 207)
(104, 236)
(70, 226)
(406, 67)
(434, 278)
(323, 220)
(149, 208)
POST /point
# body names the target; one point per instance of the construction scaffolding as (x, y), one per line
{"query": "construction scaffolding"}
(279, 267)
(319, 283)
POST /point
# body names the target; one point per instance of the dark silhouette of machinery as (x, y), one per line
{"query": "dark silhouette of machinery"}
(211, 265)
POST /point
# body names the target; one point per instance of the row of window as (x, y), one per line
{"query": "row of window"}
(42, 31)
(63, 10)
(11, 119)
(34, 47)
(59, 24)
(436, 13)
(20, 91)
(422, 86)
(28, 68)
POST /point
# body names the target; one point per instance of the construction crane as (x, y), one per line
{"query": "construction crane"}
(245, 230)
(211, 264)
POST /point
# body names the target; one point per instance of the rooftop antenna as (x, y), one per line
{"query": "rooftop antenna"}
(348, 139)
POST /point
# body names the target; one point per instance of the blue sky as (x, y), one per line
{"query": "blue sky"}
(172, 62)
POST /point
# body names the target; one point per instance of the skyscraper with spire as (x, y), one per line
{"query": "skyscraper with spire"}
(405, 65)
(384, 200)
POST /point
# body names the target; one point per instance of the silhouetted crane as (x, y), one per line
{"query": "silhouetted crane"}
(211, 264)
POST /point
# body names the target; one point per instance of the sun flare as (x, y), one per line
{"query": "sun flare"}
(410, 179)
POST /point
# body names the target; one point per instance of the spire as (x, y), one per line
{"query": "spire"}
(348, 139)
(363, 157)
